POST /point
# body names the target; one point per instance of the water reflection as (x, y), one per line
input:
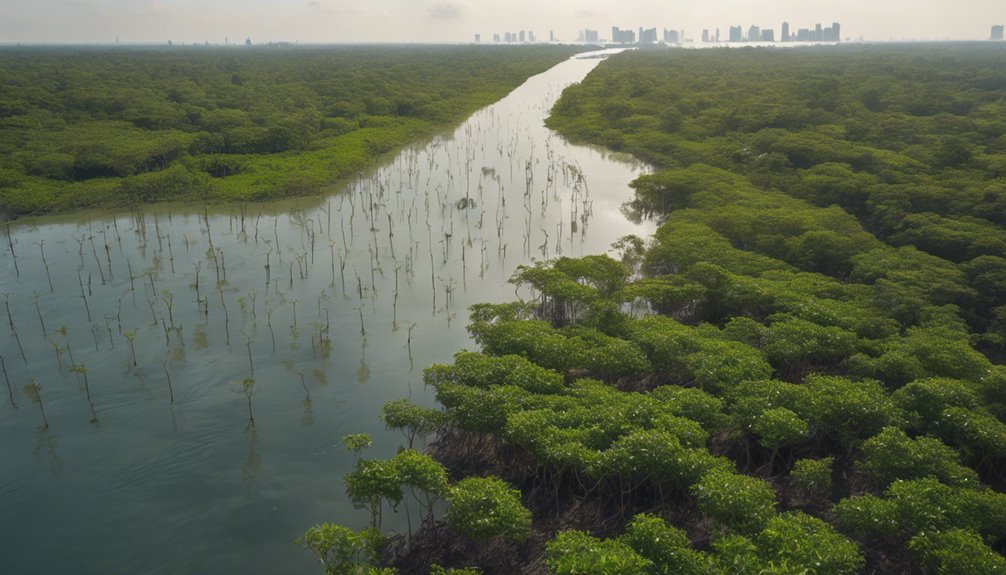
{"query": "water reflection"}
(357, 291)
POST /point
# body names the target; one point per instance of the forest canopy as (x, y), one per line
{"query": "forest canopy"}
(111, 126)
(802, 370)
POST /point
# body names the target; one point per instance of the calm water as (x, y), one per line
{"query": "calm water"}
(155, 486)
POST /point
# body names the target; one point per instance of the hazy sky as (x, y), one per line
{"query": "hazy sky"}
(186, 21)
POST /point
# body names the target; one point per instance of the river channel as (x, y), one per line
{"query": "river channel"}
(140, 328)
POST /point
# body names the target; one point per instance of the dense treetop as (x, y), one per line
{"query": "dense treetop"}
(119, 126)
(875, 165)
(801, 371)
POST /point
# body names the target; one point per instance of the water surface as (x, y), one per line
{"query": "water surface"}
(320, 301)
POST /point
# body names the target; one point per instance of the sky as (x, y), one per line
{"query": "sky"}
(348, 21)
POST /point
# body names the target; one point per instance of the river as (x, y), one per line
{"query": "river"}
(331, 306)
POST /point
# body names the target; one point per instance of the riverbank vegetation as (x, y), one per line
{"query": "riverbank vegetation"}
(800, 372)
(83, 127)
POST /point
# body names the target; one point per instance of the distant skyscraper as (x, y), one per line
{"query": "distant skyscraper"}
(551, 35)
(648, 36)
(671, 36)
(522, 36)
(496, 38)
(768, 35)
(622, 36)
(832, 33)
(736, 34)
(478, 38)
(705, 35)
(997, 32)
(754, 34)
(530, 37)
(785, 32)
(717, 34)
(591, 36)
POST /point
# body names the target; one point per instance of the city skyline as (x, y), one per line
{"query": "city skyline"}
(819, 33)
(457, 21)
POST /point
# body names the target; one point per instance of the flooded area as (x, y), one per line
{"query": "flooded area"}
(157, 335)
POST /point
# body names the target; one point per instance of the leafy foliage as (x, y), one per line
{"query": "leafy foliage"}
(892, 455)
(666, 546)
(779, 427)
(373, 482)
(956, 551)
(578, 553)
(813, 475)
(487, 507)
(921, 505)
(411, 419)
(357, 442)
(824, 298)
(341, 550)
(107, 126)
(796, 538)
(740, 502)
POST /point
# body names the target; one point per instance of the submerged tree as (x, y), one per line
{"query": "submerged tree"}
(247, 387)
(357, 442)
(34, 392)
(82, 370)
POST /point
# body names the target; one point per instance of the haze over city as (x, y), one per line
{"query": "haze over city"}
(451, 21)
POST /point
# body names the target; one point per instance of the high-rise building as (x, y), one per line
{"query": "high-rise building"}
(648, 36)
(496, 38)
(671, 36)
(736, 34)
(622, 36)
(590, 36)
(522, 36)
(705, 35)
(754, 34)
(530, 37)
(478, 38)
(832, 33)
(551, 35)
(768, 35)
(717, 34)
(997, 32)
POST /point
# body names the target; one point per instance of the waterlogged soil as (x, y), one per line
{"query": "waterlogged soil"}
(198, 365)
